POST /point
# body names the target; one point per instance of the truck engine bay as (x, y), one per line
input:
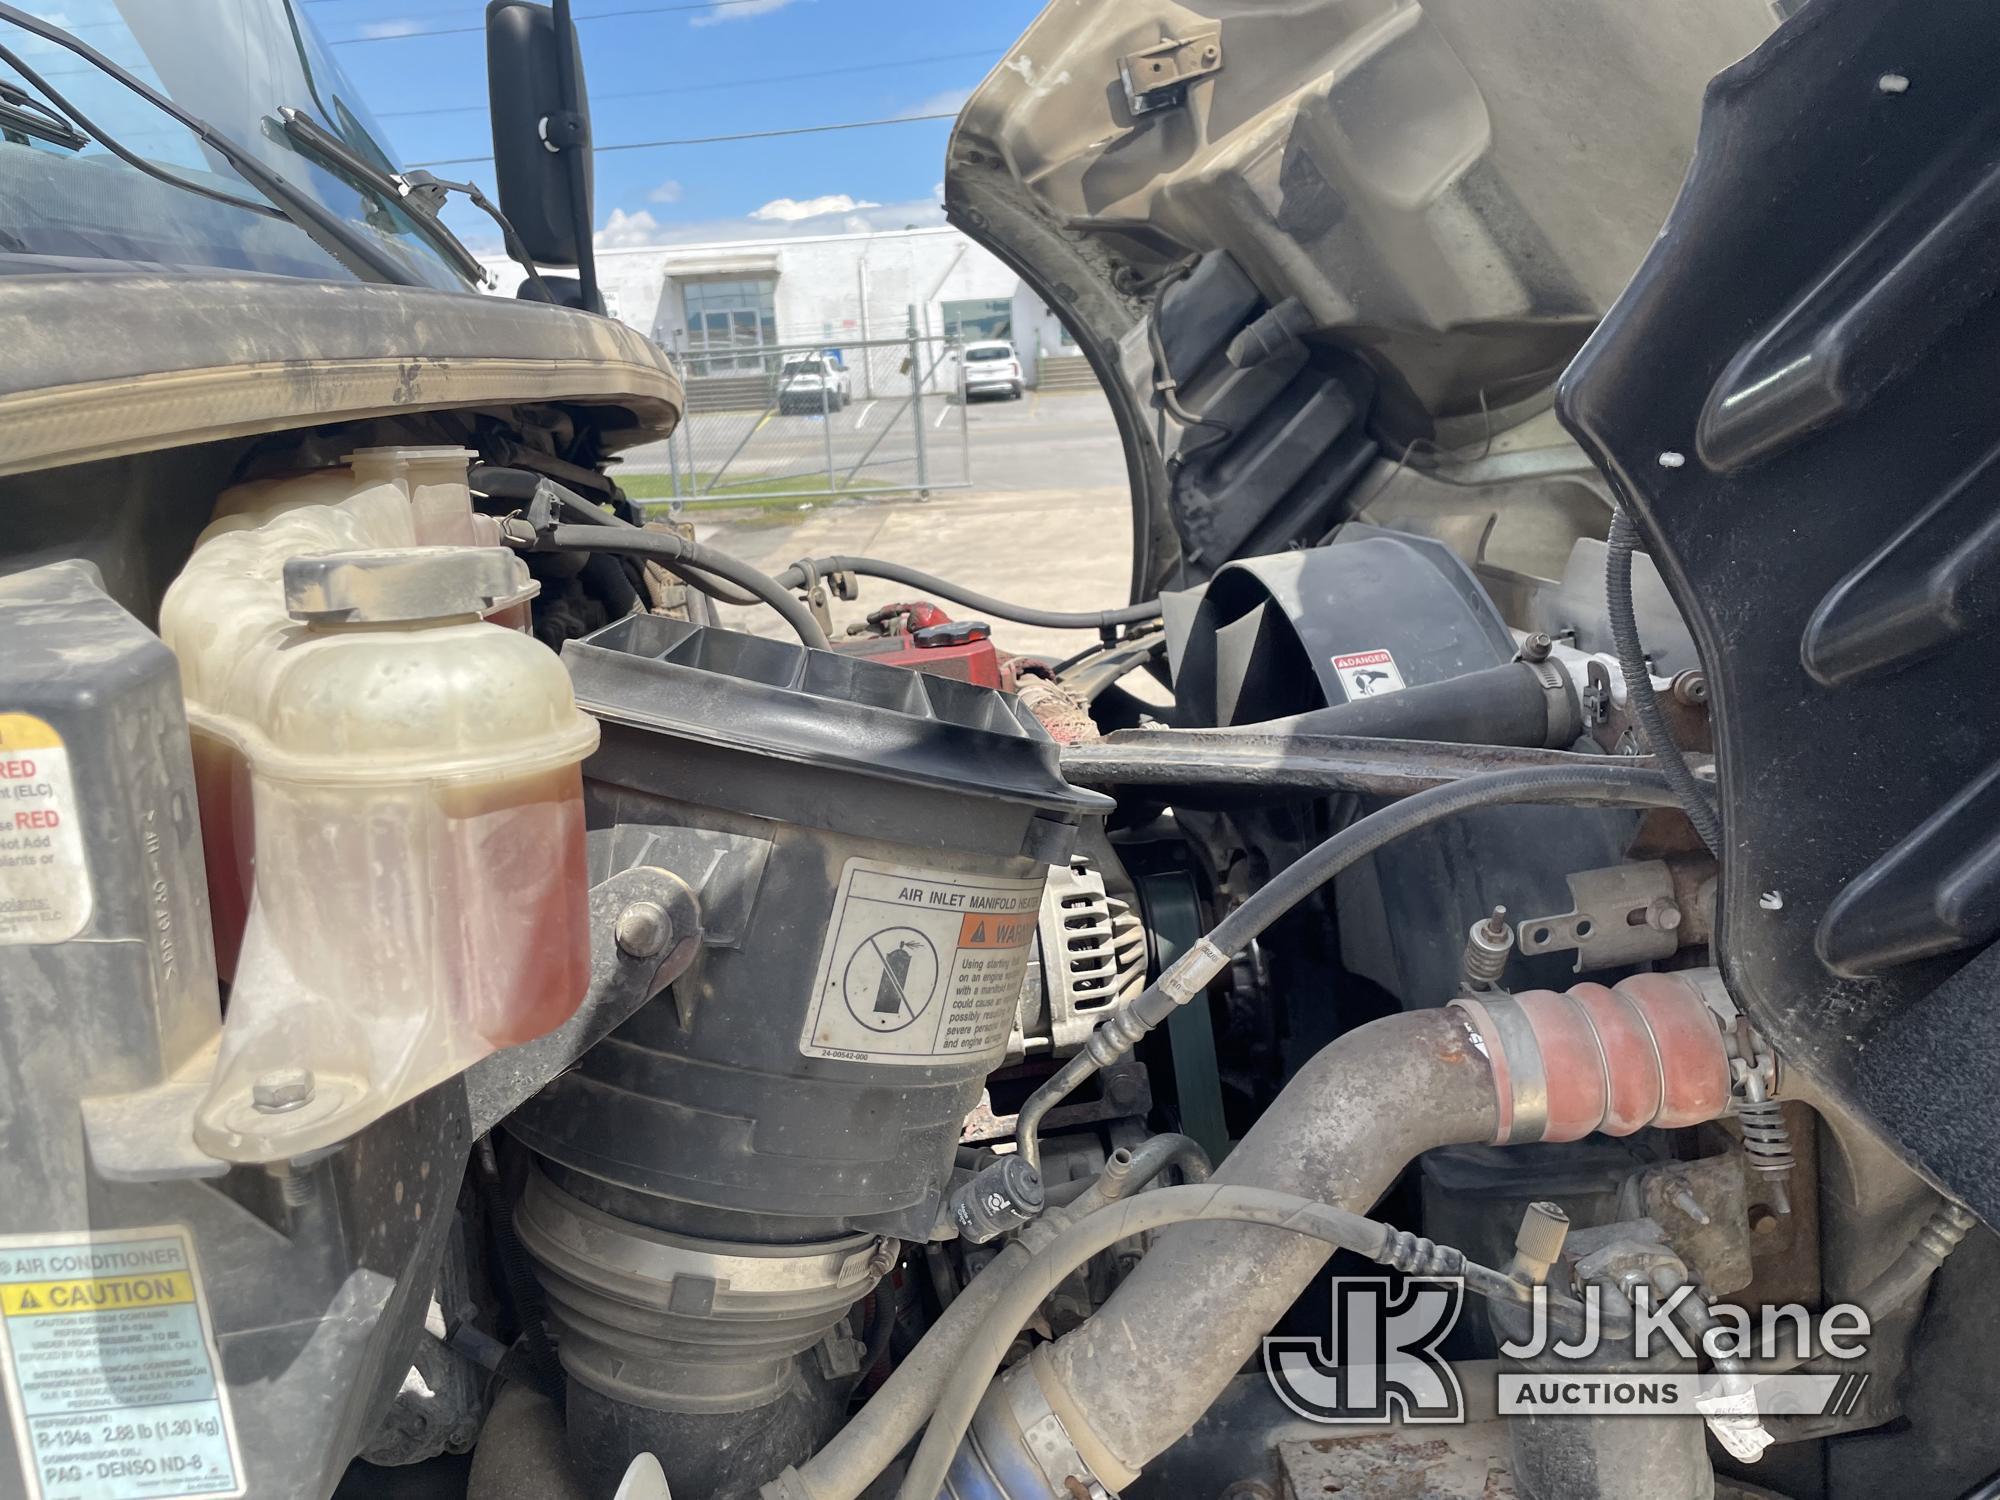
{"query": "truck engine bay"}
(473, 1022)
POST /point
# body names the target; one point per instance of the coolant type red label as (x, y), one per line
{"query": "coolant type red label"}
(45, 892)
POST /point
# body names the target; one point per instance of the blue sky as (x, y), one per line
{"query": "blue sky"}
(713, 72)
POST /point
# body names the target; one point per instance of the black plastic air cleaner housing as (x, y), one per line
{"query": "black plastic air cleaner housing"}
(869, 845)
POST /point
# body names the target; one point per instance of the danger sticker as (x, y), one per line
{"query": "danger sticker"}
(111, 1370)
(1368, 674)
(44, 884)
(920, 965)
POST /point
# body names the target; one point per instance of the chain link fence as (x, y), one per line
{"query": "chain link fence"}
(865, 416)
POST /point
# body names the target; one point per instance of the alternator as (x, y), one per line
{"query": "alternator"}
(1090, 956)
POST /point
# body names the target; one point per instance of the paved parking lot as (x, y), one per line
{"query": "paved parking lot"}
(1047, 523)
(1063, 440)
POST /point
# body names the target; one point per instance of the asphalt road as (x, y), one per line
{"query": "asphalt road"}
(1061, 441)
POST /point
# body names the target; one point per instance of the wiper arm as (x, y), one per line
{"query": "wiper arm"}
(341, 240)
(423, 192)
(23, 114)
(316, 141)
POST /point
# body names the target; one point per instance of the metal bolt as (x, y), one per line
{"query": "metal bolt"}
(296, 1184)
(1537, 646)
(1763, 1219)
(1691, 687)
(283, 1090)
(1123, 1090)
(1663, 915)
(1684, 1199)
(644, 930)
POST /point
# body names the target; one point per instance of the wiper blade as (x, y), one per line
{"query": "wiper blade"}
(346, 244)
(316, 141)
(23, 114)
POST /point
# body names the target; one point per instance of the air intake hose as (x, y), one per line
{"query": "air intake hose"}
(1538, 1066)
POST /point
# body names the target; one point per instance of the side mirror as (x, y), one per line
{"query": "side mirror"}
(541, 130)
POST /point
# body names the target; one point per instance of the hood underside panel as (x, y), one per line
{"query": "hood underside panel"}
(1452, 191)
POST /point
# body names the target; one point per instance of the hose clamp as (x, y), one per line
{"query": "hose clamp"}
(1047, 1440)
(1520, 1081)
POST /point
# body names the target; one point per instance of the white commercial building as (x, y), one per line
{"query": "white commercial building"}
(720, 304)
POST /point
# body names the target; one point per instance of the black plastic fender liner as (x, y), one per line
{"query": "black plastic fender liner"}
(1794, 399)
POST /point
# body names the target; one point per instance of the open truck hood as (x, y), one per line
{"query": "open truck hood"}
(1454, 191)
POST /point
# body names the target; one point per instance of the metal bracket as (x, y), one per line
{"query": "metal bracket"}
(1157, 77)
(645, 929)
(1624, 914)
(148, 1135)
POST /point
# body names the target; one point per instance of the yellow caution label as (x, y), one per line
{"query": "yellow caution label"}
(26, 732)
(99, 1294)
(110, 1372)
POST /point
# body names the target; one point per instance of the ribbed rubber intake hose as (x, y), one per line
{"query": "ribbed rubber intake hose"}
(796, 576)
(1610, 783)
(1691, 795)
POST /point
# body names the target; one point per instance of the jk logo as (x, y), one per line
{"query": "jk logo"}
(1381, 1359)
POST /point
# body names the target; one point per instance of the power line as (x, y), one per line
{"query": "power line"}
(602, 15)
(727, 83)
(711, 140)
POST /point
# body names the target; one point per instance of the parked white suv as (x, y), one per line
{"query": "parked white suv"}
(992, 367)
(814, 382)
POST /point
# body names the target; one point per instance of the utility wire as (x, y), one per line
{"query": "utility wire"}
(602, 15)
(727, 83)
(710, 140)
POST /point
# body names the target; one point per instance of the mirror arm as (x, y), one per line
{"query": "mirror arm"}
(568, 121)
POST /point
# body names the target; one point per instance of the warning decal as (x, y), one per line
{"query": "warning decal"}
(1368, 674)
(920, 966)
(111, 1370)
(44, 885)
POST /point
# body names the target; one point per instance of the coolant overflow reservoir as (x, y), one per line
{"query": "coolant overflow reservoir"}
(417, 886)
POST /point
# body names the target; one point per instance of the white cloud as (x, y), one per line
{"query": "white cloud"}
(622, 230)
(628, 230)
(793, 210)
(743, 10)
(404, 27)
(950, 102)
(667, 192)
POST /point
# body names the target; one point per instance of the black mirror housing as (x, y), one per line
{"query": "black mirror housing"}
(524, 61)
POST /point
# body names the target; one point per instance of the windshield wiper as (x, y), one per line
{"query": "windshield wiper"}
(422, 192)
(23, 114)
(339, 239)
(312, 139)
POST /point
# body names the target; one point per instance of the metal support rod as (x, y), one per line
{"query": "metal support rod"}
(826, 418)
(964, 416)
(917, 408)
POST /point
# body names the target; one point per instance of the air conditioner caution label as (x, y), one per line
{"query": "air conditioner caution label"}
(111, 1371)
(920, 966)
(44, 883)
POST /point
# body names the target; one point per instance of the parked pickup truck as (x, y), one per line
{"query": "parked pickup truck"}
(816, 382)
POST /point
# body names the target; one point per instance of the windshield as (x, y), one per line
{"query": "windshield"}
(231, 62)
(990, 351)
